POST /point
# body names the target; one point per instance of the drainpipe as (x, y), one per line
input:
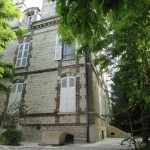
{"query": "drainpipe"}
(86, 86)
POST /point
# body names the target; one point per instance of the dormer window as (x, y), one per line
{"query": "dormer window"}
(30, 19)
(31, 14)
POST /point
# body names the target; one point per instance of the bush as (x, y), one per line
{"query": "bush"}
(2, 139)
(9, 120)
(12, 137)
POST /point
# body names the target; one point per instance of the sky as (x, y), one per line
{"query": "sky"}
(33, 3)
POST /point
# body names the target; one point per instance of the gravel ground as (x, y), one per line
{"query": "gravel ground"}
(106, 144)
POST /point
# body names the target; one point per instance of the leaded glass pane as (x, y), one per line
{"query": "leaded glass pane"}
(24, 62)
(19, 88)
(20, 55)
(18, 62)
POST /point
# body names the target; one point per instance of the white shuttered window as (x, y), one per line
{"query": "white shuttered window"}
(64, 51)
(58, 48)
(68, 94)
(22, 55)
(68, 51)
(15, 95)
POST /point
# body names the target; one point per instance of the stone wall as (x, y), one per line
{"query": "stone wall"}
(41, 78)
(98, 129)
(48, 9)
(34, 134)
(43, 49)
(40, 92)
(114, 132)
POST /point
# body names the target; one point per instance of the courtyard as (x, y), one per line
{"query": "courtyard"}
(106, 144)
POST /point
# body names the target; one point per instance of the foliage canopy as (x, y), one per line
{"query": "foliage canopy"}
(120, 31)
(8, 12)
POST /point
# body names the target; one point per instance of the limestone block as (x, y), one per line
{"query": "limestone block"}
(68, 62)
(83, 119)
(9, 52)
(43, 51)
(82, 61)
(97, 133)
(116, 133)
(53, 137)
(48, 9)
(67, 119)
(40, 92)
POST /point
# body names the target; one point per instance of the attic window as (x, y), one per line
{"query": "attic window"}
(30, 18)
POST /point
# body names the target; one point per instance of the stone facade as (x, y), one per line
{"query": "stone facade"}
(41, 79)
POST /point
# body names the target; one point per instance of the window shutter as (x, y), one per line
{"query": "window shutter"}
(67, 95)
(63, 95)
(12, 96)
(15, 96)
(71, 95)
(58, 49)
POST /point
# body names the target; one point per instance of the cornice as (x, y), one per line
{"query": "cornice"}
(47, 22)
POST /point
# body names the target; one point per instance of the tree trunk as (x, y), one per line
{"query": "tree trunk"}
(131, 128)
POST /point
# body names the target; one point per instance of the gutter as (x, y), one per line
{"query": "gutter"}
(87, 96)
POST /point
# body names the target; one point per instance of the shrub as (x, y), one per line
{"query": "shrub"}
(2, 139)
(9, 119)
(12, 137)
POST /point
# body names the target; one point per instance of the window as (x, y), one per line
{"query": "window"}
(67, 51)
(22, 55)
(15, 96)
(63, 51)
(68, 94)
(29, 20)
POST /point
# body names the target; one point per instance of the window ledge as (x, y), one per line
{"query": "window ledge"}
(67, 113)
(63, 60)
(20, 67)
(67, 59)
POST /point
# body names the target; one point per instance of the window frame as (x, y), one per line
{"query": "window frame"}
(15, 96)
(30, 18)
(67, 51)
(20, 55)
(61, 49)
(67, 89)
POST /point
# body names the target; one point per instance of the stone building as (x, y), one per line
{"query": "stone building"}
(61, 93)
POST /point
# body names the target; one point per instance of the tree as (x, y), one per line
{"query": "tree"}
(9, 121)
(121, 30)
(85, 19)
(8, 12)
(6, 73)
(129, 43)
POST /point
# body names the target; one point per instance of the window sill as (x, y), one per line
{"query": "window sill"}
(21, 67)
(67, 59)
(67, 113)
(63, 60)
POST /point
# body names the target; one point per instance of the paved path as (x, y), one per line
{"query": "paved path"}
(107, 144)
